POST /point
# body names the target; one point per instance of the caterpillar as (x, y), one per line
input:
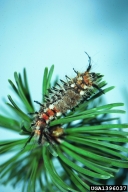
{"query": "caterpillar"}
(62, 98)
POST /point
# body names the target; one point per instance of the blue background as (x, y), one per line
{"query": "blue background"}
(39, 33)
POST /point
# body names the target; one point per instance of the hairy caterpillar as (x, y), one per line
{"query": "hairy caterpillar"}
(62, 98)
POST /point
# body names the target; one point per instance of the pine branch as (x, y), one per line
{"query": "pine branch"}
(88, 151)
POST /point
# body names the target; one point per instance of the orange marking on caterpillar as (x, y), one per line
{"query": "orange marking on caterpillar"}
(50, 112)
(44, 116)
(37, 132)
